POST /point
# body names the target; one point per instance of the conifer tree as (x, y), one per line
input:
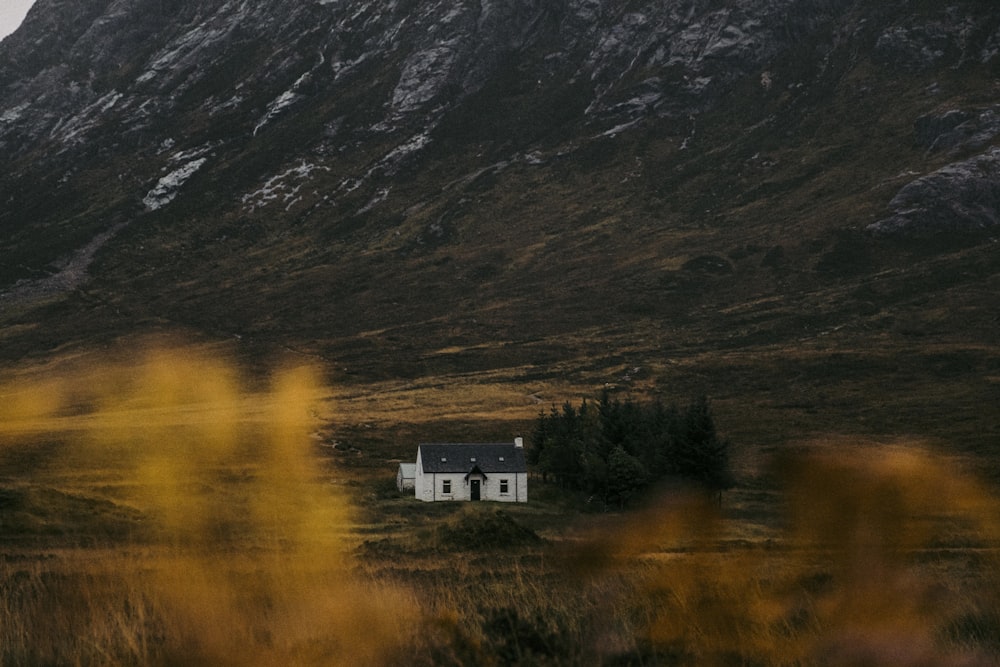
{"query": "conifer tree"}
(626, 476)
(699, 454)
(614, 449)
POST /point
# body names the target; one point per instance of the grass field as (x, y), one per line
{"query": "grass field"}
(160, 508)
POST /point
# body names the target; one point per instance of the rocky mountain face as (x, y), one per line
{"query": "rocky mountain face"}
(553, 186)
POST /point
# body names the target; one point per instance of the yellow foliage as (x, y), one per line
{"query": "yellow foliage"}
(248, 560)
(851, 582)
(245, 554)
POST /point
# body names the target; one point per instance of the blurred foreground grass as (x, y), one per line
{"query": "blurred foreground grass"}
(241, 553)
(160, 509)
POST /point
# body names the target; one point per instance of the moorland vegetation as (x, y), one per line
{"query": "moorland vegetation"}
(162, 508)
(790, 211)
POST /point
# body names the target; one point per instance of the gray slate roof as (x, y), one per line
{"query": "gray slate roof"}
(490, 457)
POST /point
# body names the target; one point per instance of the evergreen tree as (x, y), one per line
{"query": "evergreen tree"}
(699, 454)
(593, 457)
(561, 455)
(538, 438)
(535, 454)
(614, 449)
(664, 425)
(626, 476)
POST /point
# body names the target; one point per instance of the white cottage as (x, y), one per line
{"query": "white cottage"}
(472, 471)
(406, 476)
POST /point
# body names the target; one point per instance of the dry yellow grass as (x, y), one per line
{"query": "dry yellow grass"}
(862, 572)
(247, 553)
(246, 548)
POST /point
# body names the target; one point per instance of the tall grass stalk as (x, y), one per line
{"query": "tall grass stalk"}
(239, 550)
(245, 546)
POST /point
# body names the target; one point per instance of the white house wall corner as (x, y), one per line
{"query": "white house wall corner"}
(494, 472)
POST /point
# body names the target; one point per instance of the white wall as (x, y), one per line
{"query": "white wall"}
(517, 488)
(404, 483)
(430, 487)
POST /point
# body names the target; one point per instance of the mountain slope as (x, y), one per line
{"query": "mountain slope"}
(789, 204)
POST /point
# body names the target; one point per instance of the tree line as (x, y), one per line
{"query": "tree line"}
(614, 449)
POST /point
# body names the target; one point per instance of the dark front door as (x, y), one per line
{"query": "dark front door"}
(475, 488)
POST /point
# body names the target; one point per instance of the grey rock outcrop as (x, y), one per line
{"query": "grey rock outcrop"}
(950, 37)
(957, 130)
(961, 198)
(321, 104)
(135, 64)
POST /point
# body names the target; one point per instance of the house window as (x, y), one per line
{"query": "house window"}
(503, 486)
(446, 486)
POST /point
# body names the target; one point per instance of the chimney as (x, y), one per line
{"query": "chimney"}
(519, 442)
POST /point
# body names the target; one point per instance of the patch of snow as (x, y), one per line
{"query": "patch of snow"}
(455, 12)
(11, 115)
(991, 50)
(187, 43)
(289, 97)
(109, 101)
(690, 137)
(390, 162)
(731, 38)
(71, 130)
(379, 197)
(382, 127)
(284, 187)
(396, 155)
(194, 153)
(189, 50)
(349, 185)
(231, 103)
(618, 129)
(343, 67)
(424, 75)
(282, 102)
(639, 104)
(166, 189)
(619, 41)
(141, 114)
